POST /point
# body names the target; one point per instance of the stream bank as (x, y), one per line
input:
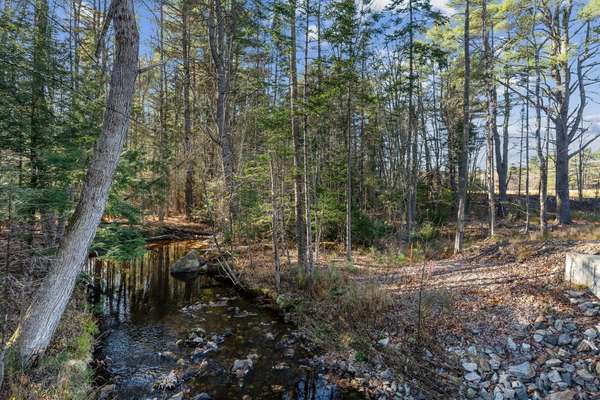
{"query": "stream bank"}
(190, 339)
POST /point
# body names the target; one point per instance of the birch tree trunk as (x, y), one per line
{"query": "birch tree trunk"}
(43, 315)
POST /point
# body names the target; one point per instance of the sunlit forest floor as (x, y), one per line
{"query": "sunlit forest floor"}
(395, 315)
(390, 312)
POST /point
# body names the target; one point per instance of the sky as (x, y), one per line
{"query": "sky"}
(147, 27)
(441, 5)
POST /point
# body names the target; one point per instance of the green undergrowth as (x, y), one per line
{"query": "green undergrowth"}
(63, 372)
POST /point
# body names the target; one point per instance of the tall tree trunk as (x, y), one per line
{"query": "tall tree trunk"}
(275, 225)
(349, 176)
(561, 73)
(300, 198)
(490, 117)
(187, 120)
(580, 182)
(40, 111)
(543, 161)
(412, 134)
(527, 216)
(163, 162)
(221, 35)
(43, 315)
(501, 150)
(309, 250)
(464, 140)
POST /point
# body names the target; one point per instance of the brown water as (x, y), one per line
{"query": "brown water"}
(143, 314)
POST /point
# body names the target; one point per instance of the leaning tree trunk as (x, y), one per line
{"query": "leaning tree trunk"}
(43, 315)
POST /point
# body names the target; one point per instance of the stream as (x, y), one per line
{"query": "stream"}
(164, 338)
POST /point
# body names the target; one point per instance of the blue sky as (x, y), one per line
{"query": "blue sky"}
(147, 26)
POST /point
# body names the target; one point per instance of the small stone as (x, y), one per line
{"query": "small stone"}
(384, 342)
(598, 369)
(554, 376)
(586, 345)
(538, 338)
(564, 338)
(523, 370)
(551, 339)
(472, 377)
(241, 367)
(525, 347)
(585, 375)
(469, 366)
(562, 395)
(269, 336)
(498, 395)
(510, 343)
(178, 396)
(590, 333)
(558, 325)
(553, 362)
(591, 312)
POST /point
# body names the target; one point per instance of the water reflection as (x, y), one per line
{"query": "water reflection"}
(141, 305)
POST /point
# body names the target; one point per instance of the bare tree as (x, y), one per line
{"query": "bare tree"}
(566, 119)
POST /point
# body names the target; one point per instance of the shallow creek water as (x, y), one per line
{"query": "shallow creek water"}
(145, 312)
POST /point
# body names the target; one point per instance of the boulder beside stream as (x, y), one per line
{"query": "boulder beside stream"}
(189, 264)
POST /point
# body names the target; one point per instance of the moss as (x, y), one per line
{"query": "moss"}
(63, 372)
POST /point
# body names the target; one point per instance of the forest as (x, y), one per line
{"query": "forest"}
(300, 199)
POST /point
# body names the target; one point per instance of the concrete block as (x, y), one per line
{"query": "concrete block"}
(583, 269)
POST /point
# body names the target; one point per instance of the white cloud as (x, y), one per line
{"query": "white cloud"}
(379, 5)
(312, 32)
(441, 5)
